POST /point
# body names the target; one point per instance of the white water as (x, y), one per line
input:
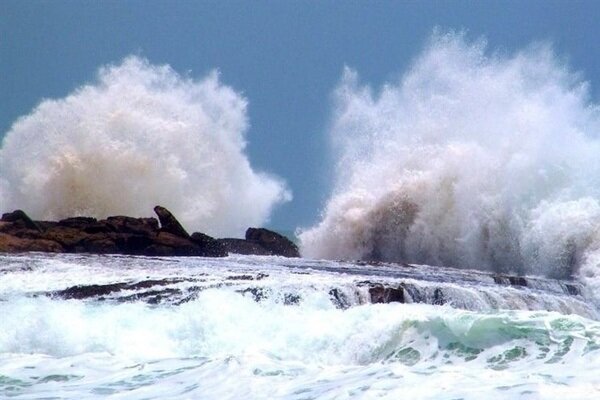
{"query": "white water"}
(225, 345)
(471, 159)
(139, 136)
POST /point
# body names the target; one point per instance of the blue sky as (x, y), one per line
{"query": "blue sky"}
(285, 57)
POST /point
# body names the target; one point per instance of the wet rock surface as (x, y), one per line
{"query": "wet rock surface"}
(290, 282)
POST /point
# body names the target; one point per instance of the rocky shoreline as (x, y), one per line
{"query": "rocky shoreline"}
(164, 236)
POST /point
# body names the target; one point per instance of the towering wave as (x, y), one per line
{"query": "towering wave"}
(471, 159)
(140, 135)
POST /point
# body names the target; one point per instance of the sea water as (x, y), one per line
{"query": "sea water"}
(475, 159)
(269, 327)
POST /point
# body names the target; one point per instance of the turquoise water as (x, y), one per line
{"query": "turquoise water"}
(224, 344)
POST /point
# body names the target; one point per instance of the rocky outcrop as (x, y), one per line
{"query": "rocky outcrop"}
(212, 246)
(169, 224)
(261, 242)
(134, 236)
(272, 241)
(242, 246)
(21, 219)
(14, 244)
(113, 235)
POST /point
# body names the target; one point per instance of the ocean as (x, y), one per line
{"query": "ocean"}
(481, 159)
(121, 327)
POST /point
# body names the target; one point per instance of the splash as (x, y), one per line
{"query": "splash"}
(472, 159)
(140, 135)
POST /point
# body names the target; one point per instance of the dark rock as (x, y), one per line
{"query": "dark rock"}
(97, 228)
(258, 293)
(510, 280)
(140, 226)
(413, 293)
(167, 244)
(210, 246)
(84, 224)
(339, 299)
(157, 250)
(517, 281)
(384, 294)
(77, 222)
(13, 244)
(113, 235)
(291, 299)
(7, 227)
(89, 291)
(133, 244)
(438, 297)
(272, 241)
(81, 292)
(19, 217)
(154, 296)
(258, 277)
(46, 224)
(168, 223)
(572, 289)
(241, 246)
(67, 237)
(99, 243)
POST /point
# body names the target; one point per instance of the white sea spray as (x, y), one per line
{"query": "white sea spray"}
(140, 135)
(472, 159)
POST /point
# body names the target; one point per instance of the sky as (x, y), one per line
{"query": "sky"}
(285, 57)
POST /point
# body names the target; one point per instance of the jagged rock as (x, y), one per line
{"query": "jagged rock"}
(12, 244)
(241, 246)
(210, 246)
(19, 217)
(272, 241)
(168, 223)
(113, 235)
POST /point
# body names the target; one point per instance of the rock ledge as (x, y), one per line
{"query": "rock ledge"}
(131, 236)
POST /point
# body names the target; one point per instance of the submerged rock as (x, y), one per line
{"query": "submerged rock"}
(386, 294)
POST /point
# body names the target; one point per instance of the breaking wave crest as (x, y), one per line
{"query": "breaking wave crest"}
(140, 135)
(472, 160)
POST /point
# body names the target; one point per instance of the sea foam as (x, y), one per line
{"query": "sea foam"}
(471, 159)
(138, 136)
